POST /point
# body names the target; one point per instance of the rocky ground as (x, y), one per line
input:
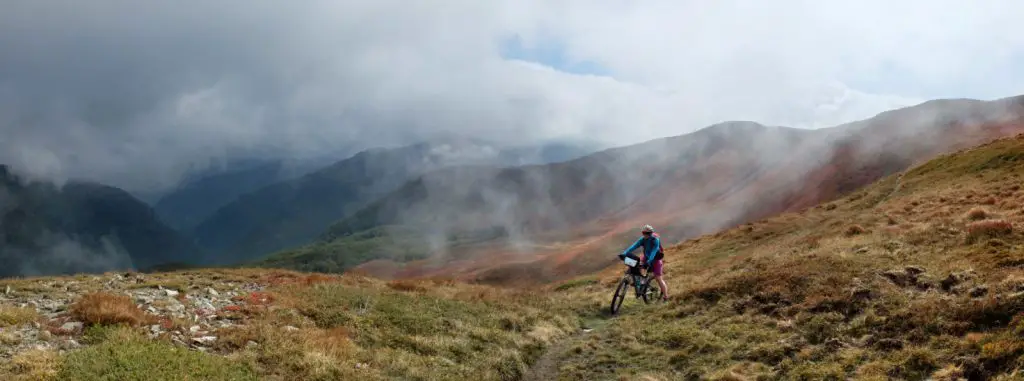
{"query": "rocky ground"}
(189, 314)
(260, 324)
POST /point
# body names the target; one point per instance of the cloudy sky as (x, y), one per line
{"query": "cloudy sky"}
(132, 93)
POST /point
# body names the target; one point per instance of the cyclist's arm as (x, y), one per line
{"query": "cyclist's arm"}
(654, 251)
(631, 248)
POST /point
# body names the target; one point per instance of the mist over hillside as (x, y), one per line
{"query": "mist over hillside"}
(293, 212)
(197, 197)
(77, 227)
(692, 184)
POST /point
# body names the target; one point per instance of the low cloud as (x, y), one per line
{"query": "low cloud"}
(59, 254)
(136, 94)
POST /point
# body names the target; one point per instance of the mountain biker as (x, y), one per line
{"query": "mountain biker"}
(653, 258)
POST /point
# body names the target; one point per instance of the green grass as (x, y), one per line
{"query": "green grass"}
(342, 253)
(571, 284)
(341, 327)
(490, 338)
(123, 354)
(336, 254)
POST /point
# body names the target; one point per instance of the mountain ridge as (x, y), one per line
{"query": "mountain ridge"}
(292, 212)
(915, 276)
(590, 194)
(81, 226)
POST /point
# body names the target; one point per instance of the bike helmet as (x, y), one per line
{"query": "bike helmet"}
(647, 229)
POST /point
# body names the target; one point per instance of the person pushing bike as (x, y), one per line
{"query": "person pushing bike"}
(653, 255)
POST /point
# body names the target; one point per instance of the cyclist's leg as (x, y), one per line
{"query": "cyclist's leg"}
(657, 270)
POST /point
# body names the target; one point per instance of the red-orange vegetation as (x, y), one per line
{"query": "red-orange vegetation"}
(855, 230)
(105, 308)
(255, 298)
(988, 228)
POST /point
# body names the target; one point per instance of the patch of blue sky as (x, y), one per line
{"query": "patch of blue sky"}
(995, 78)
(551, 53)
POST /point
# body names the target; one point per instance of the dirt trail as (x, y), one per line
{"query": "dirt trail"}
(546, 367)
(896, 188)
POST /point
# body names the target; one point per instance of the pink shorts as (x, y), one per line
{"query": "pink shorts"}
(656, 267)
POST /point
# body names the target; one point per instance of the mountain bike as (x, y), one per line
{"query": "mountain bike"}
(640, 279)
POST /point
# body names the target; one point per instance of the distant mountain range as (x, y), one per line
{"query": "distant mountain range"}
(477, 209)
(195, 200)
(81, 227)
(567, 218)
(296, 211)
(238, 213)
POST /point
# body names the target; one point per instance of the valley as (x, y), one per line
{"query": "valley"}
(916, 276)
(435, 191)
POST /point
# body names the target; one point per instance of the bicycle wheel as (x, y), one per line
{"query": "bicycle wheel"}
(650, 291)
(620, 295)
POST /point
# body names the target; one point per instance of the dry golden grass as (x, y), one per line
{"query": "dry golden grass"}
(9, 338)
(321, 327)
(407, 285)
(31, 365)
(909, 296)
(10, 315)
(101, 308)
(878, 285)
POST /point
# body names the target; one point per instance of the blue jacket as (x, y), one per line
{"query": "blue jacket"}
(650, 249)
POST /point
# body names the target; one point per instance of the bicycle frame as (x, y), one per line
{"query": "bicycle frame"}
(640, 282)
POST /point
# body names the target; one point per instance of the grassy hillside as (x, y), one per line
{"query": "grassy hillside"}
(917, 276)
(571, 213)
(391, 243)
(271, 325)
(336, 256)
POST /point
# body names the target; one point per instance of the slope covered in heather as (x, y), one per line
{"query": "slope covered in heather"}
(545, 222)
(915, 277)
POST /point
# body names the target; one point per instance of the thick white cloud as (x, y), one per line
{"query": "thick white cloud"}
(133, 93)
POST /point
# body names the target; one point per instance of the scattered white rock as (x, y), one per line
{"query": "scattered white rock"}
(70, 344)
(203, 309)
(290, 328)
(204, 339)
